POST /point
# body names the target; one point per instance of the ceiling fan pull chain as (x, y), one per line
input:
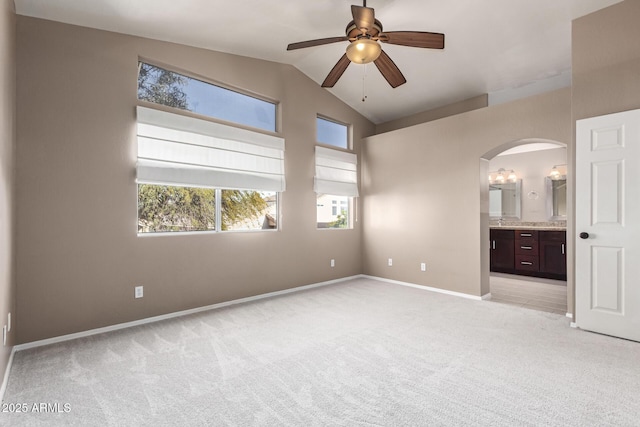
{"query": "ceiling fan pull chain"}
(364, 74)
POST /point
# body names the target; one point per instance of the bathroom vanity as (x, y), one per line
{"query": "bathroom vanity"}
(539, 252)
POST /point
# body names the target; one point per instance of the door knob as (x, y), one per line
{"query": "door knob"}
(584, 235)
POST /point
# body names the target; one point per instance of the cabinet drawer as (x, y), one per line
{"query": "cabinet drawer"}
(553, 236)
(527, 235)
(501, 234)
(527, 247)
(527, 262)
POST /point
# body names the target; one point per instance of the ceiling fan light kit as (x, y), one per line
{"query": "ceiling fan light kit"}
(364, 34)
(363, 51)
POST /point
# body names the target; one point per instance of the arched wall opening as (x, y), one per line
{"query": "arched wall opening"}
(485, 212)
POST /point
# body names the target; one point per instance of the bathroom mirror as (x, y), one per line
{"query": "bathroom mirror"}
(505, 200)
(556, 198)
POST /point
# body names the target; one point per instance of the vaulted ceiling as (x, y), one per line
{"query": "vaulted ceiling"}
(506, 48)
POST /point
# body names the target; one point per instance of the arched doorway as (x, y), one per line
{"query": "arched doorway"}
(528, 162)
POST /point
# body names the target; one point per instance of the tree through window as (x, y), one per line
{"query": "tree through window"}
(165, 87)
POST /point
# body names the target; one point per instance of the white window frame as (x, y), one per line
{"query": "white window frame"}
(349, 145)
(238, 91)
(336, 175)
(218, 220)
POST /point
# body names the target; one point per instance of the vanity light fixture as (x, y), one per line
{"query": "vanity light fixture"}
(555, 173)
(502, 175)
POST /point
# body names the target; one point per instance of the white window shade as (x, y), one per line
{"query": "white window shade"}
(185, 151)
(336, 172)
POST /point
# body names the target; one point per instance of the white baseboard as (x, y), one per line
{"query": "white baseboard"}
(5, 381)
(147, 320)
(486, 296)
(425, 288)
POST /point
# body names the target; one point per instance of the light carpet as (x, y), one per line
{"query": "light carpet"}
(358, 353)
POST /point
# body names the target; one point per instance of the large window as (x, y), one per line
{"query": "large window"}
(335, 184)
(332, 133)
(176, 90)
(163, 208)
(197, 175)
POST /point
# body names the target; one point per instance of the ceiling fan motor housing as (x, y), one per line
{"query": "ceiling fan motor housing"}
(353, 32)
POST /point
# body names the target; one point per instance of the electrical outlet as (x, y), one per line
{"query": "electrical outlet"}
(423, 266)
(139, 292)
(333, 263)
(9, 322)
(390, 262)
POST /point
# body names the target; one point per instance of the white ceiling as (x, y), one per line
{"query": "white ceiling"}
(507, 48)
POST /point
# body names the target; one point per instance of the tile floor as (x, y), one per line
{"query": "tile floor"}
(529, 292)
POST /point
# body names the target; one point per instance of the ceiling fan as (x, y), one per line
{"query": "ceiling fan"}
(364, 33)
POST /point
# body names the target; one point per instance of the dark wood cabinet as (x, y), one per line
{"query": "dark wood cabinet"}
(553, 254)
(502, 250)
(540, 253)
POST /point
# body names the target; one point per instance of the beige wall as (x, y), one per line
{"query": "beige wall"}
(7, 140)
(422, 198)
(606, 61)
(470, 104)
(78, 255)
(532, 168)
(605, 73)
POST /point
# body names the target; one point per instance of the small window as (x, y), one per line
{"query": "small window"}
(163, 208)
(335, 184)
(333, 211)
(248, 210)
(176, 90)
(332, 133)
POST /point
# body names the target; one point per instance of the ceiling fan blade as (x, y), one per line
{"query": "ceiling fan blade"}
(336, 72)
(363, 17)
(414, 39)
(389, 70)
(317, 42)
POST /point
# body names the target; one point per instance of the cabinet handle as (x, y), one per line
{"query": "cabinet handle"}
(526, 263)
(563, 249)
(526, 247)
(493, 245)
(525, 234)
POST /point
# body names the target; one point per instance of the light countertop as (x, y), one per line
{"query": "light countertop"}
(527, 227)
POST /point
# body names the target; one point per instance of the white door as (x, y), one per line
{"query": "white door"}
(608, 224)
